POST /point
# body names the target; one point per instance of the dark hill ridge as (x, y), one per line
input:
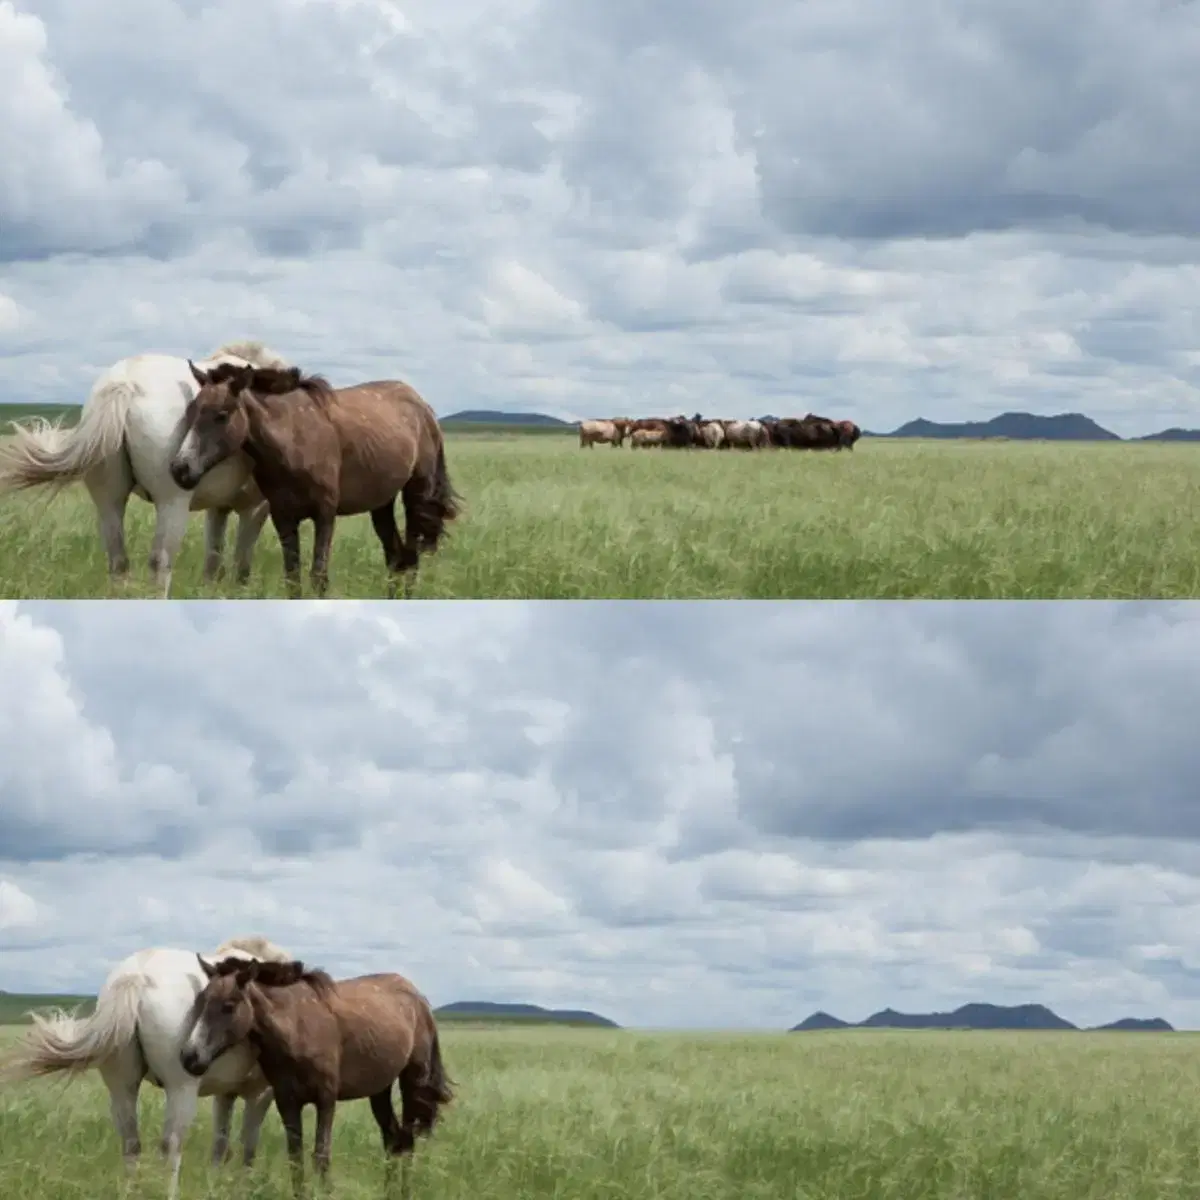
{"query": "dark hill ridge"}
(487, 1010)
(486, 417)
(977, 1016)
(1016, 426)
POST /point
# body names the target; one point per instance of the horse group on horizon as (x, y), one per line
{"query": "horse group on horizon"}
(810, 432)
(248, 1021)
(245, 432)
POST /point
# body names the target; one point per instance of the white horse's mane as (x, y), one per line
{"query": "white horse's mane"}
(250, 351)
(251, 945)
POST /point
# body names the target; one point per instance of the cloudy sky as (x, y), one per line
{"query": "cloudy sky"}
(871, 210)
(699, 814)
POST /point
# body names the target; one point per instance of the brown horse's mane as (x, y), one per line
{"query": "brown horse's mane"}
(276, 974)
(269, 381)
(279, 381)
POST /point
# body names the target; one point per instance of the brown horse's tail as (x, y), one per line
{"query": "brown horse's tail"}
(435, 1090)
(440, 504)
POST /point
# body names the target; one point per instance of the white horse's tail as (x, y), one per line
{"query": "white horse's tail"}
(63, 1041)
(44, 453)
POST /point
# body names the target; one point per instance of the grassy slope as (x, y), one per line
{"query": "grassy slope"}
(591, 1115)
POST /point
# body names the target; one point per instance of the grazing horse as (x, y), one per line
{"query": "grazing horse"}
(128, 431)
(746, 435)
(804, 433)
(645, 438)
(320, 1042)
(320, 454)
(848, 434)
(591, 432)
(142, 1016)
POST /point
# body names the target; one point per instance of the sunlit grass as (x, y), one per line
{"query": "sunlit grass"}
(591, 1115)
(545, 519)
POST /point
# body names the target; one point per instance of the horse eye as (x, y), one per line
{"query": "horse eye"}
(228, 1007)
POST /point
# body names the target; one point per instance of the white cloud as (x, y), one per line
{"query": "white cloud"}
(17, 910)
(861, 805)
(591, 207)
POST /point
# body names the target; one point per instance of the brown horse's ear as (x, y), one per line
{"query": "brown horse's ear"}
(199, 376)
(209, 970)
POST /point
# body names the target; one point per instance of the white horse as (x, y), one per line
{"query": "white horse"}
(142, 1016)
(128, 432)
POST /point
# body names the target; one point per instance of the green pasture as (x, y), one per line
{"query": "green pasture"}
(583, 1115)
(891, 520)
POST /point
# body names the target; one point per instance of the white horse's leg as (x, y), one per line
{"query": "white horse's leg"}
(222, 1118)
(170, 524)
(122, 1075)
(110, 485)
(182, 1099)
(255, 1113)
(215, 521)
(250, 523)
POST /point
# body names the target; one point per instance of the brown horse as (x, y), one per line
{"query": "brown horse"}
(319, 454)
(320, 1042)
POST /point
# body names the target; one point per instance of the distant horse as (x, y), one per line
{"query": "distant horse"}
(320, 454)
(142, 1015)
(647, 437)
(746, 435)
(591, 432)
(848, 434)
(321, 1042)
(128, 431)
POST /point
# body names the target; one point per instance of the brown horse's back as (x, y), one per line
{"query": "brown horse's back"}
(390, 440)
(387, 1026)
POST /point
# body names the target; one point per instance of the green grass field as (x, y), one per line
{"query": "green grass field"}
(14, 1005)
(580, 1115)
(544, 519)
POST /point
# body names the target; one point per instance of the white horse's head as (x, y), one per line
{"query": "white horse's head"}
(247, 351)
(248, 946)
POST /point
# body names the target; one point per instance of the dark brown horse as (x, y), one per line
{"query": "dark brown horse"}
(320, 1042)
(320, 454)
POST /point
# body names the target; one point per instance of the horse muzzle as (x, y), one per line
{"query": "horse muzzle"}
(184, 475)
(190, 1060)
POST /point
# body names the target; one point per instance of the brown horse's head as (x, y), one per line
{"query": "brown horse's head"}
(215, 424)
(223, 1013)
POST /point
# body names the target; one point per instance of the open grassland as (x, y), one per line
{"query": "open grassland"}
(544, 519)
(599, 1115)
(15, 1006)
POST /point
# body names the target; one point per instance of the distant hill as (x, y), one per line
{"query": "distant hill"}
(486, 1010)
(486, 417)
(819, 1020)
(974, 1016)
(1137, 1025)
(1018, 426)
(1174, 434)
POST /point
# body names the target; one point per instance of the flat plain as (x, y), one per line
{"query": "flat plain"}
(594, 1115)
(891, 520)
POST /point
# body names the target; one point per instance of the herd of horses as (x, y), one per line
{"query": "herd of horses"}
(248, 1022)
(245, 432)
(809, 432)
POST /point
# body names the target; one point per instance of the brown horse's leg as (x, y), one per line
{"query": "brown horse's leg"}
(323, 1142)
(291, 1114)
(396, 1139)
(398, 554)
(323, 525)
(288, 529)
